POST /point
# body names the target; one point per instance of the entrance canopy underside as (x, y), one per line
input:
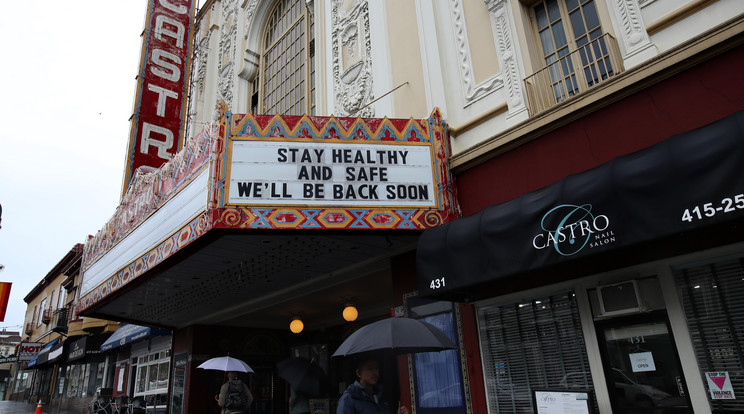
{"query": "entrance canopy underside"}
(262, 280)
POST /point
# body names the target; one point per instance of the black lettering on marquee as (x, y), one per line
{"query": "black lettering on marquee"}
(315, 172)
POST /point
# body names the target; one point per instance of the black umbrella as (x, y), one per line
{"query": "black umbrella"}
(396, 335)
(303, 375)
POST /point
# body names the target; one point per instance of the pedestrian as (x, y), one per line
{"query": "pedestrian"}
(364, 396)
(235, 397)
(298, 402)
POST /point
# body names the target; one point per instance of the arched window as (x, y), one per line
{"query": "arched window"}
(287, 61)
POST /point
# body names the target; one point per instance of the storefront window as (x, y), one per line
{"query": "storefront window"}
(76, 380)
(712, 297)
(152, 373)
(141, 375)
(532, 344)
(438, 378)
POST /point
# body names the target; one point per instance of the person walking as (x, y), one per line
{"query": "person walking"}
(299, 403)
(364, 396)
(235, 397)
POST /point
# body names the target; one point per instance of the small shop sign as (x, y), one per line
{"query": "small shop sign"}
(28, 350)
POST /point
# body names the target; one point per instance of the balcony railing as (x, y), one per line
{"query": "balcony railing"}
(598, 61)
(46, 315)
(60, 320)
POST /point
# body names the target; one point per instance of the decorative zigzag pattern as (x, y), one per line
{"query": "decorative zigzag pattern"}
(432, 130)
(339, 129)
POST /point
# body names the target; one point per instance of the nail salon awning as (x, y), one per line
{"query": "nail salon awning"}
(128, 333)
(681, 187)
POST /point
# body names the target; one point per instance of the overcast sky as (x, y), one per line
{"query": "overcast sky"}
(68, 79)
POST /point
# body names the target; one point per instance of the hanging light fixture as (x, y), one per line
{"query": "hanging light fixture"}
(296, 326)
(350, 312)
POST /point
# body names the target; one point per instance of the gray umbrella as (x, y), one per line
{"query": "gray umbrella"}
(396, 335)
(303, 375)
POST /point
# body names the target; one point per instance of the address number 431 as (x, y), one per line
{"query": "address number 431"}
(436, 283)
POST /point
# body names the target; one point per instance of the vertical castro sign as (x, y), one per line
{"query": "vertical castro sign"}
(157, 126)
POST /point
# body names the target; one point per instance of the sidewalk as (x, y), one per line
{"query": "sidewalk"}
(22, 407)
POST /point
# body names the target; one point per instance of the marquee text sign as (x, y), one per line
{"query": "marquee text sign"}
(266, 172)
(160, 101)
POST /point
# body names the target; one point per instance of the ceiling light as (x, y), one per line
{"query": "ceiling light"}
(296, 326)
(350, 312)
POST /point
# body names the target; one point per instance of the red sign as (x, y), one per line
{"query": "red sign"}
(28, 350)
(4, 297)
(157, 123)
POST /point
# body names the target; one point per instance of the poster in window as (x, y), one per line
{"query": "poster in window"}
(180, 362)
(562, 402)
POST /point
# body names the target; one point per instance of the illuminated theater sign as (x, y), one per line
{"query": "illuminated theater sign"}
(327, 172)
(160, 103)
(263, 172)
(316, 173)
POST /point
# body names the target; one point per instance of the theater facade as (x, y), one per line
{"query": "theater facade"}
(555, 184)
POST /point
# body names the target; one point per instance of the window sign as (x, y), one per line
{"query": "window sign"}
(562, 402)
(719, 385)
(642, 361)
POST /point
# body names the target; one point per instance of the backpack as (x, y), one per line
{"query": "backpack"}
(236, 398)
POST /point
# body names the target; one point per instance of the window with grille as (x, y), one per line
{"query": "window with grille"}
(534, 344)
(287, 60)
(574, 49)
(713, 298)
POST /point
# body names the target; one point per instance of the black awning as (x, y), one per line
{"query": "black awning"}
(687, 182)
(85, 346)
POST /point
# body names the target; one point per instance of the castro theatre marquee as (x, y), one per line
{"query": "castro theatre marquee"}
(260, 172)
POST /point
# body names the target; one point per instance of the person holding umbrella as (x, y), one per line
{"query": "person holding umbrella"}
(235, 397)
(391, 336)
(364, 396)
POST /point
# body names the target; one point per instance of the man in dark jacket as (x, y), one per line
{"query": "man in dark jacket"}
(364, 396)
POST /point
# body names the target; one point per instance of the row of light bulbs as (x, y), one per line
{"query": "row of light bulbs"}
(349, 313)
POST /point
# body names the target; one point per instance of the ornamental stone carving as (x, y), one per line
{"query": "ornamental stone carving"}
(507, 53)
(228, 45)
(351, 58)
(633, 34)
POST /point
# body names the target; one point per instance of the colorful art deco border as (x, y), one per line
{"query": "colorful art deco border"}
(432, 130)
(165, 249)
(152, 190)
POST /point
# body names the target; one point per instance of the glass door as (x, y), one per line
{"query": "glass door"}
(641, 365)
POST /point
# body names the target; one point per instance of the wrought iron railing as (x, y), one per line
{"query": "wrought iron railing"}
(46, 315)
(60, 320)
(574, 73)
